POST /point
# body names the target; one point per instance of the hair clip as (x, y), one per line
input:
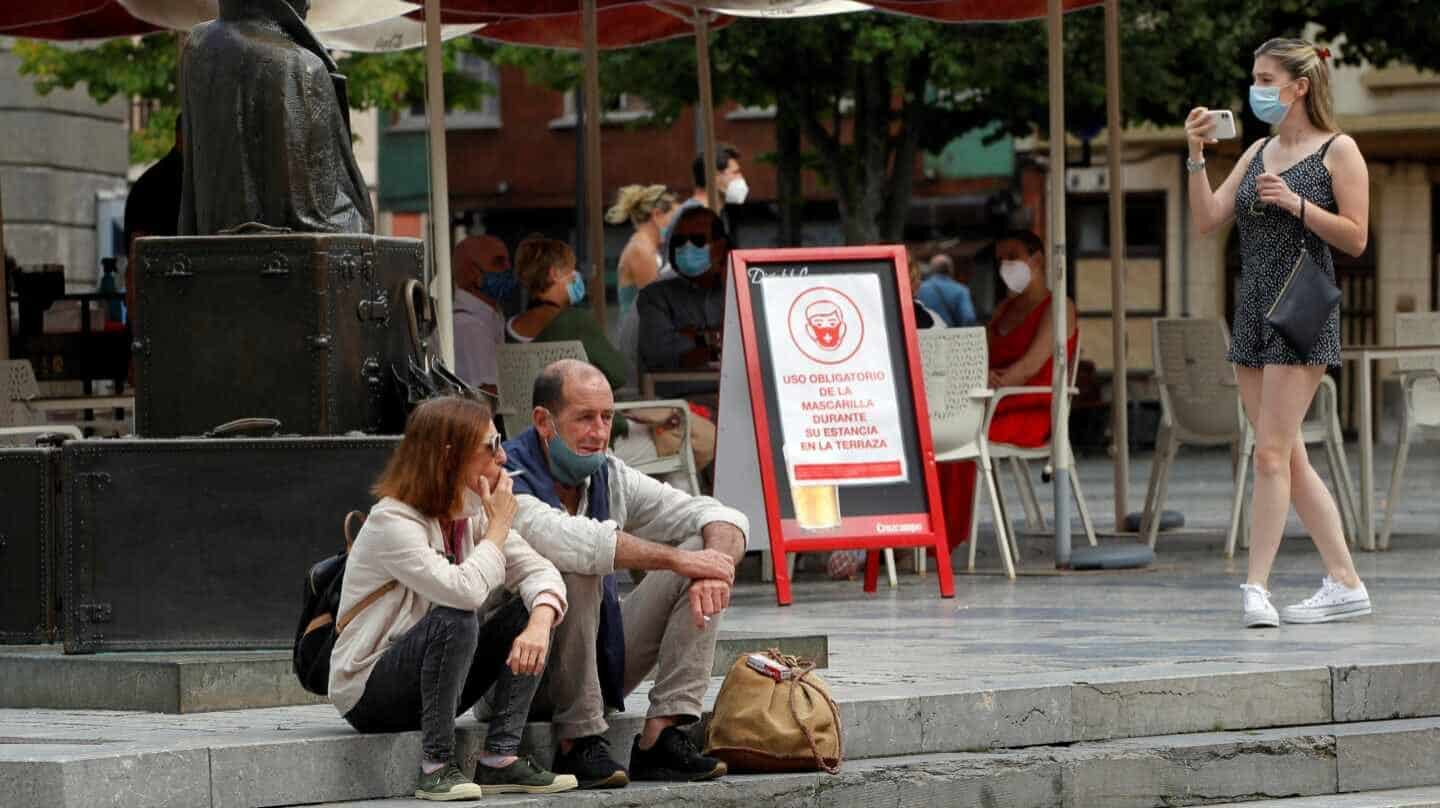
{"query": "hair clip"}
(1323, 53)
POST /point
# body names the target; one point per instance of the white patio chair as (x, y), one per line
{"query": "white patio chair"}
(683, 460)
(956, 365)
(1199, 406)
(21, 424)
(1020, 457)
(1420, 383)
(519, 366)
(1322, 426)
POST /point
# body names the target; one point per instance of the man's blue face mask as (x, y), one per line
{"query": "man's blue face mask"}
(567, 466)
(498, 285)
(692, 261)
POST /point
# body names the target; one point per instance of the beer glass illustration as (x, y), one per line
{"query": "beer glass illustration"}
(817, 507)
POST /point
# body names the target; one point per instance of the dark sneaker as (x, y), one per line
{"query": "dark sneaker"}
(446, 785)
(673, 757)
(589, 760)
(522, 777)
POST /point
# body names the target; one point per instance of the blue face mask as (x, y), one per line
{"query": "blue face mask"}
(576, 289)
(498, 285)
(566, 465)
(692, 261)
(1265, 103)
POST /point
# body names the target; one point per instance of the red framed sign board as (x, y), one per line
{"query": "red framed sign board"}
(822, 391)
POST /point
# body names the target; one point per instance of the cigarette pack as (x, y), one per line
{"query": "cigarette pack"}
(768, 666)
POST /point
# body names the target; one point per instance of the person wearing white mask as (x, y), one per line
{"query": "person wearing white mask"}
(443, 601)
(1020, 336)
(1305, 187)
(729, 179)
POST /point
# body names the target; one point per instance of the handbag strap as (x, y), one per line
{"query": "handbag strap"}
(363, 605)
(369, 599)
(798, 681)
(1302, 222)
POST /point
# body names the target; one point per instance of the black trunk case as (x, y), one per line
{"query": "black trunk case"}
(301, 328)
(203, 544)
(29, 510)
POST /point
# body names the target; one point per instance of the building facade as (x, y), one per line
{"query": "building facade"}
(63, 163)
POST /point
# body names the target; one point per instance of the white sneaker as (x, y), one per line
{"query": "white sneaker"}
(1259, 613)
(1333, 601)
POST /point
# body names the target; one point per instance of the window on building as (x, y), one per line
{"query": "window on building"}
(623, 108)
(1088, 222)
(753, 113)
(486, 116)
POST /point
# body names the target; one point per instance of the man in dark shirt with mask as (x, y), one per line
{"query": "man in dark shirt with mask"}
(681, 318)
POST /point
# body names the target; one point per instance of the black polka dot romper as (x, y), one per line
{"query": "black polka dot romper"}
(1269, 246)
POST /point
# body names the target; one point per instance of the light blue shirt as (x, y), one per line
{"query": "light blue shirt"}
(950, 298)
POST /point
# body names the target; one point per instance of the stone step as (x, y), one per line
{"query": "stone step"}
(307, 754)
(43, 677)
(1423, 797)
(1317, 764)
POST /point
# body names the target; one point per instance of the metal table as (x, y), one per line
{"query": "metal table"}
(1365, 356)
(649, 379)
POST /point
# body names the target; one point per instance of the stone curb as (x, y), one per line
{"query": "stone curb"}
(242, 765)
(41, 677)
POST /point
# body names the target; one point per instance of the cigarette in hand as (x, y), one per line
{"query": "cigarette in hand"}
(515, 473)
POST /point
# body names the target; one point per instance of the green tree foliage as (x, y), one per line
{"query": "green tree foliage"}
(859, 97)
(143, 69)
(869, 91)
(146, 69)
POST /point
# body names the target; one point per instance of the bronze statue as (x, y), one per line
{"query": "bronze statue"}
(267, 127)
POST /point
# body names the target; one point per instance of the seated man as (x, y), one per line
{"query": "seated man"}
(681, 318)
(589, 514)
(944, 293)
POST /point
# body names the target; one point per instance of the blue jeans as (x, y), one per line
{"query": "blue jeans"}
(439, 669)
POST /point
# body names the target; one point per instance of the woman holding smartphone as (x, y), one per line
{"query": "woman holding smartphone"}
(1306, 166)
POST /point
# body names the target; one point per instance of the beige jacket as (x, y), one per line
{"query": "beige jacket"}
(398, 543)
(639, 505)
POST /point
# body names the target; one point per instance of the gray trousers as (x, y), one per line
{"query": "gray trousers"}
(660, 635)
(440, 667)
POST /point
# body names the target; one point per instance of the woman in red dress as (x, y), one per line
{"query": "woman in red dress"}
(1020, 336)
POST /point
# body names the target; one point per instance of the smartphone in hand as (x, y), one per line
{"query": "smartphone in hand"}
(1224, 121)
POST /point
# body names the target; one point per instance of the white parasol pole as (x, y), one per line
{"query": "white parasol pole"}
(1115, 153)
(4, 292)
(439, 282)
(1059, 381)
(594, 201)
(707, 106)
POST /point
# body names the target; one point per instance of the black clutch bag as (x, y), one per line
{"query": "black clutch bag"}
(1302, 309)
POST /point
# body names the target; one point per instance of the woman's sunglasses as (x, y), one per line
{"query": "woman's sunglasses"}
(695, 239)
(494, 443)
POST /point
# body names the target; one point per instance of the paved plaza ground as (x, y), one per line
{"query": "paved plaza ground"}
(906, 652)
(1185, 608)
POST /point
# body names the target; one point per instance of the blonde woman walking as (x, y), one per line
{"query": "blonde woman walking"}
(648, 208)
(1305, 183)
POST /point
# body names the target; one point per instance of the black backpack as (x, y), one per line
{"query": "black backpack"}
(318, 628)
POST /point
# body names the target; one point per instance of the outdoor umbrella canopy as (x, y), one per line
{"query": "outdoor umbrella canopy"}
(324, 15)
(102, 20)
(339, 24)
(21, 14)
